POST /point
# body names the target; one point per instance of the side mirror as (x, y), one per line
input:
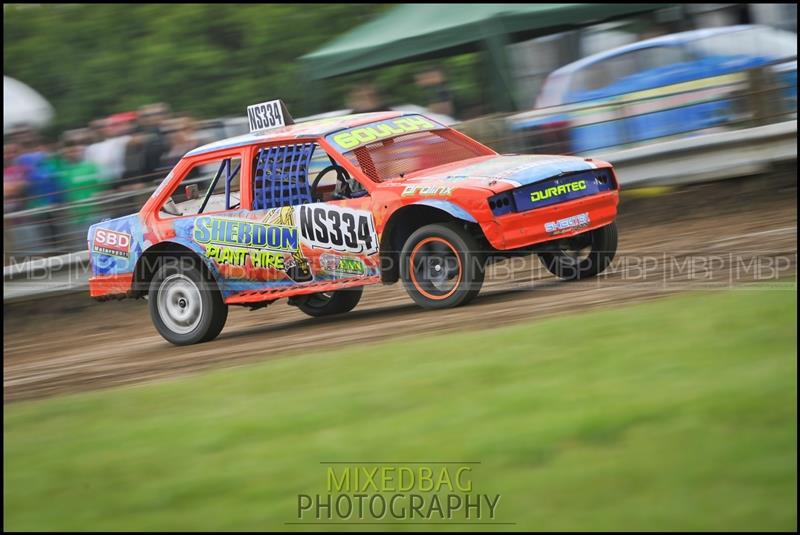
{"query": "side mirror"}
(191, 192)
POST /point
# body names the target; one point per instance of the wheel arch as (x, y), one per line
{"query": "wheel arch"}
(404, 221)
(149, 261)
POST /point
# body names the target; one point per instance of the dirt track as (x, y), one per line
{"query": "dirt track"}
(699, 237)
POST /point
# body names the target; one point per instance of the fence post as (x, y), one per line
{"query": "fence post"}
(762, 102)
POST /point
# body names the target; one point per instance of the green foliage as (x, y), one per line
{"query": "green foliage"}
(208, 60)
(679, 415)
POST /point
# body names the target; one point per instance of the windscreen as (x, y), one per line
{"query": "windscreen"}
(398, 147)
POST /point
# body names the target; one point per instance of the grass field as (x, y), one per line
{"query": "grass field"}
(675, 414)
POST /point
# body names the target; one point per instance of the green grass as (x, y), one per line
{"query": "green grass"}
(676, 414)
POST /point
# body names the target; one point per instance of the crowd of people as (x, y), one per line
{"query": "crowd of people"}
(123, 152)
(126, 151)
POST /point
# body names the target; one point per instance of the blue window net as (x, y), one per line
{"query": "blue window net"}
(281, 177)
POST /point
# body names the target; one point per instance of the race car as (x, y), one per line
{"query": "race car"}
(313, 212)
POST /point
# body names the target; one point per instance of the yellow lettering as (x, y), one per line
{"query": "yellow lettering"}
(359, 136)
(444, 480)
(266, 259)
(364, 135)
(406, 124)
(463, 487)
(345, 140)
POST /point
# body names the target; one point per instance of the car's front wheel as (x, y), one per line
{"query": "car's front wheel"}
(581, 256)
(185, 305)
(442, 266)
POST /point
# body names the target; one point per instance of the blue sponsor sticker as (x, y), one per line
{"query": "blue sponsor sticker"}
(561, 189)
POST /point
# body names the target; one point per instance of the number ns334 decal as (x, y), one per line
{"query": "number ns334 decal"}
(339, 229)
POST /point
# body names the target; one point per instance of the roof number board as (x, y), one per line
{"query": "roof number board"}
(265, 115)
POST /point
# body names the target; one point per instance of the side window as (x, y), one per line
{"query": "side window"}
(206, 188)
(288, 175)
(604, 73)
(660, 56)
(623, 65)
(590, 78)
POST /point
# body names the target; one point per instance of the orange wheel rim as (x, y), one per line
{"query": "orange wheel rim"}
(428, 283)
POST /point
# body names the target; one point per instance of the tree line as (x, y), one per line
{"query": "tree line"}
(206, 60)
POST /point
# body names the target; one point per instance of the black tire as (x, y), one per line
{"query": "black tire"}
(563, 262)
(181, 279)
(329, 303)
(448, 247)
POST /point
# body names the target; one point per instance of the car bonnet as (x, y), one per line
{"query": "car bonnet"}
(504, 172)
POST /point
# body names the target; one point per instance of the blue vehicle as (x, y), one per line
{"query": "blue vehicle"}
(665, 86)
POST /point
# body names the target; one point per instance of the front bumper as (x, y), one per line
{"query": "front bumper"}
(515, 230)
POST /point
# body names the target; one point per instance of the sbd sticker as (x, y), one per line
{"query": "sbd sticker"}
(111, 242)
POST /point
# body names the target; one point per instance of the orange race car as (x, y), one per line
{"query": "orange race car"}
(315, 211)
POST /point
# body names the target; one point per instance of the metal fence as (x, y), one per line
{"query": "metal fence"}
(61, 229)
(759, 96)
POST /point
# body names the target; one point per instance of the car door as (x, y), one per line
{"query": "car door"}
(296, 241)
(201, 213)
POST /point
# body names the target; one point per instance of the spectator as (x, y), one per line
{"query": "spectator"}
(96, 137)
(42, 189)
(14, 184)
(364, 98)
(109, 154)
(39, 172)
(182, 138)
(13, 192)
(95, 132)
(89, 161)
(148, 144)
(79, 178)
(439, 97)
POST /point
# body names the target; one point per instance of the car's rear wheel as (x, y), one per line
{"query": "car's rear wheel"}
(329, 303)
(185, 305)
(582, 256)
(442, 266)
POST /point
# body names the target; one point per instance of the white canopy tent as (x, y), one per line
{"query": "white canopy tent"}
(23, 107)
